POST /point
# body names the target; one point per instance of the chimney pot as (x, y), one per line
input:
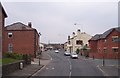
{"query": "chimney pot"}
(30, 24)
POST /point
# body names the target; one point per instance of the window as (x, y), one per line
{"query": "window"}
(105, 50)
(79, 42)
(115, 39)
(69, 42)
(10, 35)
(115, 49)
(10, 48)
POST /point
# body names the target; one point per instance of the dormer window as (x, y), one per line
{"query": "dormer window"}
(10, 35)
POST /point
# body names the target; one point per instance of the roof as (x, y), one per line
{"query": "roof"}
(105, 34)
(96, 37)
(1, 7)
(18, 26)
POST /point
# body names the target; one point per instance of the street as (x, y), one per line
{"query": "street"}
(61, 65)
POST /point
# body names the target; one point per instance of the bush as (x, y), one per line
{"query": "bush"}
(13, 55)
(77, 51)
(27, 58)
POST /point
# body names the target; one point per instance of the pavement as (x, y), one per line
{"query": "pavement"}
(110, 68)
(31, 69)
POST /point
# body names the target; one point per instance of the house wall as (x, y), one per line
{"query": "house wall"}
(101, 45)
(93, 47)
(80, 36)
(36, 43)
(2, 20)
(84, 37)
(23, 42)
(109, 44)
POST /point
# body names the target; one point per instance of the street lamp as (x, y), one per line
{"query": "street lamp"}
(39, 50)
(105, 41)
(78, 25)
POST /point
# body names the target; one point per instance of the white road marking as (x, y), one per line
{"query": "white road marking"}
(104, 73)
(50, 57)
(47, 68)
(70, 68)
(70, 74)
(53, 68)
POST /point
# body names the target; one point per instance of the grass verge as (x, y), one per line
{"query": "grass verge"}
(8, 60)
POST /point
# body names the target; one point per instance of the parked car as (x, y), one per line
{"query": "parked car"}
(74, 55)
(66, 53)
(56, 51)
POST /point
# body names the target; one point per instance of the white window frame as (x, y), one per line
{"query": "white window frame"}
(10, 33)
(10, 47)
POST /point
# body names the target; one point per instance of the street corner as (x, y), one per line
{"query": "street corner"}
(109, 70)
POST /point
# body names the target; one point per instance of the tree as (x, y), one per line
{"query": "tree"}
(78, 50)
(85, 50)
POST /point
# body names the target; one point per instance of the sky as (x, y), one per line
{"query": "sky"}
(55, 19)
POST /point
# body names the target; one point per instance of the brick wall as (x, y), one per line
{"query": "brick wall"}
(101, 44)
(2, 20)
(23, 41)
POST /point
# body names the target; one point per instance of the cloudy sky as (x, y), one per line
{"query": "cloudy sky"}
(55, 20)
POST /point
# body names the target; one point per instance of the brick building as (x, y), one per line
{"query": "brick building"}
(22, 39)
(106, 44)
(3, 15)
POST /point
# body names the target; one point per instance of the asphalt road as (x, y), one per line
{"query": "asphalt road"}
(65, 66)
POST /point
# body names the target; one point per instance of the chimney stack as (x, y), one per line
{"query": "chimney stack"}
(73, 34)
(68, 37)
(30, 24)
(78, 32)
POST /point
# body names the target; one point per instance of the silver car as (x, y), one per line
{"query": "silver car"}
(56, 51)
(66, 53)
(74, 55)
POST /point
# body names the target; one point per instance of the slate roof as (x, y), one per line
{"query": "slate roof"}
(105, 34)
(18, 26)
(96, 37)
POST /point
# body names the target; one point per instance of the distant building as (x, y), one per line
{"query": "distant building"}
(3, 15)
(65, 46)
(21, 38)
(77, 41)
(105, 45)
(54, 46)
(42, 47)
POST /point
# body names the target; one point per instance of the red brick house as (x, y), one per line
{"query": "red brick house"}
(3, 15)
(106, 45)
(21, 38)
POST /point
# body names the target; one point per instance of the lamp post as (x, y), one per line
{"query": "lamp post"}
(40, 49)
(103, 60)
(105, 41)
(79, 25)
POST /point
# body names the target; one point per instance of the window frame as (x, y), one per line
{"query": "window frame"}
(10, 34)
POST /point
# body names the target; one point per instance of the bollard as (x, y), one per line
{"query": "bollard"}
(21, 65)
(39, 61)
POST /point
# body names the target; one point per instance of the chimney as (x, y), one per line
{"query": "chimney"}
(29, 24)
(73, 34)
(78, 32)
(68, 37)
